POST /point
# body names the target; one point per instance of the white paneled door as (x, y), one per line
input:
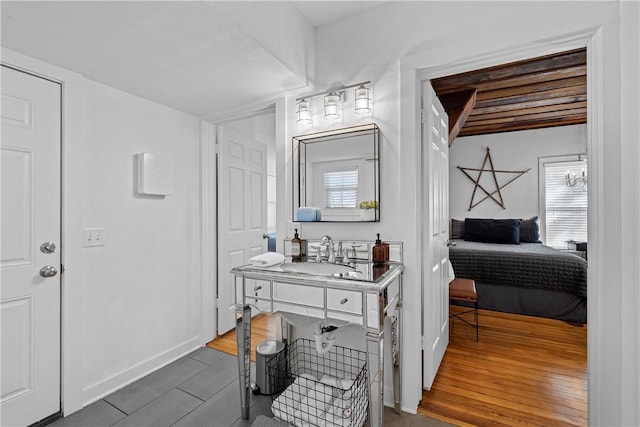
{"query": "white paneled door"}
(435, 232)
(30, 255)
(242, 213)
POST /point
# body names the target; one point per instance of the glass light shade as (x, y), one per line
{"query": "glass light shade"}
(332, 106)
(304, 111)
(362, 100)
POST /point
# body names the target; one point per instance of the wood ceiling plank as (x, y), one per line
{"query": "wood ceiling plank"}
(530, 104)
(533, 88)
(515, 112)
(543, 76)
(510, 127)
(527, 117)
(528, 66)
(537, 96)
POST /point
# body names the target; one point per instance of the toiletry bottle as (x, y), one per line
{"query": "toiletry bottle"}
(378, 252)
(296, 247)
(387, 249)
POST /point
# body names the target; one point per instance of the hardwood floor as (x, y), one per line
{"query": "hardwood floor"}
(263, 327)
(524, 371)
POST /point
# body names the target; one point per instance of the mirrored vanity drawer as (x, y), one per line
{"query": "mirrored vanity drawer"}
(258, 288)
(310, 296)
(344, 301)
(253, 288)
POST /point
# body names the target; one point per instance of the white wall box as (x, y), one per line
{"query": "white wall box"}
(154, 174)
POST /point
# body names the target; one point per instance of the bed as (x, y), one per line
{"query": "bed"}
(521, 277)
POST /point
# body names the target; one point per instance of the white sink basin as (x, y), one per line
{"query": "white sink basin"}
(317, 268)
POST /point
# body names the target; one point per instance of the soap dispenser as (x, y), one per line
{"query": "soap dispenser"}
(378, 252)
(296, 247)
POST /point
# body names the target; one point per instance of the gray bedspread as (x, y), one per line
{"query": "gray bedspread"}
(528, 265)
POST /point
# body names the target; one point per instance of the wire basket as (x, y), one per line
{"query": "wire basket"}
(324, 390)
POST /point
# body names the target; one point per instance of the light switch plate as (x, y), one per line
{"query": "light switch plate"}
(93, 237)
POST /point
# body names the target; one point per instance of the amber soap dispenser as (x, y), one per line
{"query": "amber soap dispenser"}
(378, 251)
(296, 247)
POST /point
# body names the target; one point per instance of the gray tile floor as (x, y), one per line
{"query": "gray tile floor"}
(200, 389)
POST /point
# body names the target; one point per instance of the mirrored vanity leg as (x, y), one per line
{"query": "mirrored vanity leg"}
(285, 331)
(396, 359)
(375, 356)
(243, 340)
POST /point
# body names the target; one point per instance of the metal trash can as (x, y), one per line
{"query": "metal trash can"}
(271, 367)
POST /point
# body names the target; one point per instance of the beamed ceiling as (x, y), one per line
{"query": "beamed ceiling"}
(535, 93)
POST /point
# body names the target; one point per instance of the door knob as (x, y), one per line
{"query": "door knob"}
(265, 236)
(48, 247)
(48, 271)
(451, 242)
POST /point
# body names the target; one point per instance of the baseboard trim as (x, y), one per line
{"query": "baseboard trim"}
(115, 382)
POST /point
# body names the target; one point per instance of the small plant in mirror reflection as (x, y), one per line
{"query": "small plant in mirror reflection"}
(368, 204)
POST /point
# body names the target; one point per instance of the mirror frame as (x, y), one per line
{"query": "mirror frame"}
(331, 135)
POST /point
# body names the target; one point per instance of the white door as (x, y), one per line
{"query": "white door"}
(435, 233)
(242, 213)
(30, 302)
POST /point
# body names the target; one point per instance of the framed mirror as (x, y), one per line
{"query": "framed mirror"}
(336, 175)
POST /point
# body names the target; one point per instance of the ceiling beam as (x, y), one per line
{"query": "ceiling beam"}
(458, 106)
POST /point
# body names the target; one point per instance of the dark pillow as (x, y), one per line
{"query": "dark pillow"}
(492, 230)
(457, 229)
(530, 230)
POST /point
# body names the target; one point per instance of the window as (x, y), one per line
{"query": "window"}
(341, 189)
(565, 201)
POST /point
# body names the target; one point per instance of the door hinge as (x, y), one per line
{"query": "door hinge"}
(216, 302)
(216, 148)
(424, 342)
(61, 268)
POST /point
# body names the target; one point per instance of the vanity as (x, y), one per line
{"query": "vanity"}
(362, 294)
(335, 178)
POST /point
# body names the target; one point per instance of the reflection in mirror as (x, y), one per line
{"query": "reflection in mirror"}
(336, 175)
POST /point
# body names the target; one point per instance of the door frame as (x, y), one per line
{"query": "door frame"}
(420, 67)
(209, 230)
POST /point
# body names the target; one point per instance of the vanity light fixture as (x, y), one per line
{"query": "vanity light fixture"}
(362, 102)
(304, 111)
(333, 100)
(332, 107)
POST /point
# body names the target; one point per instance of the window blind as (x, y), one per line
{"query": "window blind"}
(341, 189)
(565, 207)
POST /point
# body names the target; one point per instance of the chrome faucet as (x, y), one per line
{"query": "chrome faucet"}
(328, 242)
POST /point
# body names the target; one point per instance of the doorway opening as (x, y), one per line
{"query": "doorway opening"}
(246, 200)
(576, 388)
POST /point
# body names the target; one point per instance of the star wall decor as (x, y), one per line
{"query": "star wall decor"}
(489, 195)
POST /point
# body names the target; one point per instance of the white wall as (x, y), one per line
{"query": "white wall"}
(509, 151)
(134, 304)
(141, 289)
(399, 39)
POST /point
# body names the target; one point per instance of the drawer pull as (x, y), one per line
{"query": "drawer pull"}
(343, 301)
(257, 288)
